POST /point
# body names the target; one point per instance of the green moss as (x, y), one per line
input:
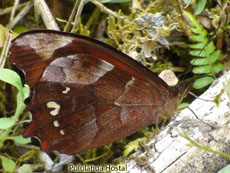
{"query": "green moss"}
(145, 29)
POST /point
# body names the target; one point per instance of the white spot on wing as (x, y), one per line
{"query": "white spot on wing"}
(56, 123)
(129, 83)
(62, 132)
(54, 105)
(67, 89)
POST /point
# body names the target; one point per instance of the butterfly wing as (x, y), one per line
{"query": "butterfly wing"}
(85, 93)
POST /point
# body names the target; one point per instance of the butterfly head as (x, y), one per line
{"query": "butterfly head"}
(182, 88)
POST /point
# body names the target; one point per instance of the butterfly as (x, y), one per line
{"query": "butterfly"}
(86, 93)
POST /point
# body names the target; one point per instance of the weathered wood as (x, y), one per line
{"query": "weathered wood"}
(174, 154)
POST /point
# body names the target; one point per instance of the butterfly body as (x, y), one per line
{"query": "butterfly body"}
(86, 93)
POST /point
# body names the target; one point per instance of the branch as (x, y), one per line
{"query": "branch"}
(24, 11)
(16, 2)
(77, 17)
(106, 10)
(66, 29)
(9, 9)
(46, 14)
(6, 46)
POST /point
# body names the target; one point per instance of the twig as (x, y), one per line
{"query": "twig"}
(182, 14)
(77, 17)
(106, 10)
(47, 17)
(66, 29)
(24, 11)
(16, 2)
(6, 46)
(9, 9)
(5, 50)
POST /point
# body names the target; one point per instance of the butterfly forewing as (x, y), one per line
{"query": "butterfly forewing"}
(86, 93)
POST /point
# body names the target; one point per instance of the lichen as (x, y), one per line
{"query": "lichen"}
(144, 29)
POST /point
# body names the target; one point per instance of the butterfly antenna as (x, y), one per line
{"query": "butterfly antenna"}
(156, 132)
(194, 95)
(201, 119)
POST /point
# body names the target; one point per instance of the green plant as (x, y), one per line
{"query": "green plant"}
(205, 147)
(206, 59)
(200, 4)
(133, 146)
(7, 123)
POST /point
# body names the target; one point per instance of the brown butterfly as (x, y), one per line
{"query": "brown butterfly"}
(86, 93)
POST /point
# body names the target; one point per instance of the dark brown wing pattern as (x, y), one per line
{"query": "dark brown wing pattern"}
(86, 93)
